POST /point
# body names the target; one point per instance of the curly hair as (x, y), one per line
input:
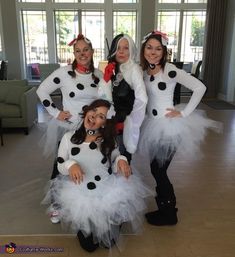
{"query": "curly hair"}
(107, 133)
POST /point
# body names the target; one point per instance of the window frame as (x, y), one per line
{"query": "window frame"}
(49, 6)
(181, 8)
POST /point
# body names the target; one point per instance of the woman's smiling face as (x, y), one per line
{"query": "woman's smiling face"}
(153, 51)
(95, 118)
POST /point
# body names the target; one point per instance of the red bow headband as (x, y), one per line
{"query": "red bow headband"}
(159, 33)
(79, 37)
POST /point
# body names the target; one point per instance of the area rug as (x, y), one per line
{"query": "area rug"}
(219, 104)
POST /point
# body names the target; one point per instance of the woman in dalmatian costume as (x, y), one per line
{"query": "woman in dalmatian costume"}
(78, 83)
(97, 192)
(124, 77)
(168, 128)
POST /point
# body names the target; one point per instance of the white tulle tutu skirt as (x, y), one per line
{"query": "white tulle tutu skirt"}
(161, 136)
(52, 133)
(115, 204)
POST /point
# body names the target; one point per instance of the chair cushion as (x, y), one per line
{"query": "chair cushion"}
(9, 111)
(15, 93)
(3, 93)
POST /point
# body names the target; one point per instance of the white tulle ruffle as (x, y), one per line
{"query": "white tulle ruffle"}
(104, 211)
(162, 136)
(53, 132)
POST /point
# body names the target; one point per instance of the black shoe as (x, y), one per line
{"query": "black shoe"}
(162, 218)
(87, 242)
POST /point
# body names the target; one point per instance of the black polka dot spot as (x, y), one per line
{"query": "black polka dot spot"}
(172, 74)
(162, 85)
(71, 94)
(97, 178)
(151, 78)
(91, 185)
(75, 150)
(154, 111)
(53, 105)
(46, 103)
(97, 80)
(104, 160)
(110, 171)
(70, 73)
(56, 80)
(60, 160)
(93, 145)
(80, 86)
(93, 85)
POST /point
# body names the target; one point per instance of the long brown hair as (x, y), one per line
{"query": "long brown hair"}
(143, 62)
(74, 64)
(108, 133)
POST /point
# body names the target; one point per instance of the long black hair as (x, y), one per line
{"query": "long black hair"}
(107, 133)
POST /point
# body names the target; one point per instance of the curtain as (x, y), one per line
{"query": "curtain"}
(213, 46)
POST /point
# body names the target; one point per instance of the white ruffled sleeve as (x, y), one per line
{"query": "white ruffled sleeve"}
(63, 161)
(190, 82)
(134, 78)
(115, 157)
(47, 87)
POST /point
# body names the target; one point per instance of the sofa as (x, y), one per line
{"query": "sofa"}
(18, 104)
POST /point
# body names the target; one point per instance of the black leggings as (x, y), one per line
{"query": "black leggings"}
(159, 172)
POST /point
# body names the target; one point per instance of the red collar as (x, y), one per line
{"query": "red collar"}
(82, 68)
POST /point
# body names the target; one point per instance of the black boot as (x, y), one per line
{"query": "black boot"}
(165, 215)
(87, 242)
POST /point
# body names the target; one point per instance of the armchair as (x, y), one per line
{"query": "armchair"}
(18, 104)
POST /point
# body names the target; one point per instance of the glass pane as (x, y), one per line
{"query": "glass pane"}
(169, 1)
(65, 1)
(78, 1)
(93, 28)
(193, 36)
(67, 24)
(124, 22)
(168, 22)
(92, 1)
(195, 1)
(35, 40)
(32, 1)
(124, 1)
(1, 54)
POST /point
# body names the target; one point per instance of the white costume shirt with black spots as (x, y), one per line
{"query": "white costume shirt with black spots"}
(160, 91)
(88, 156)
(76, 92)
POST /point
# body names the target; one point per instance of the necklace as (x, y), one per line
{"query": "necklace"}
(92, 132)
(82, 68)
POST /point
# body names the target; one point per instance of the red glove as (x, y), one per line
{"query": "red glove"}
(108, 71)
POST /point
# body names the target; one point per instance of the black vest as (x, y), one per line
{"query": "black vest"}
(123, 99)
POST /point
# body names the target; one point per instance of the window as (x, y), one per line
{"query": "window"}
(185, 25)
(35, 41)
(32, 1)
(124, 22)
(48, 27)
